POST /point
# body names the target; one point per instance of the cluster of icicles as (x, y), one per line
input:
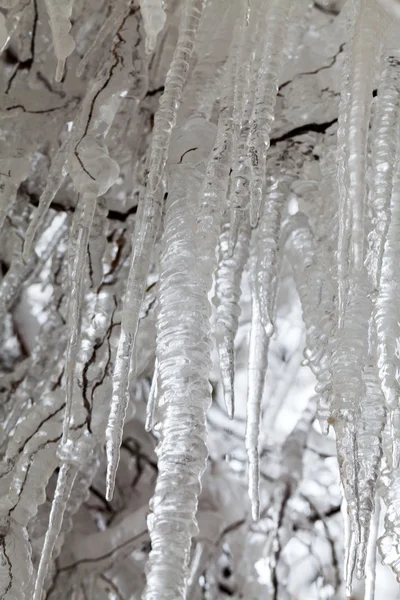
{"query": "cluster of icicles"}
(217, 194)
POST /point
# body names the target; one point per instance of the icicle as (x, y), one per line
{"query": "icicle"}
(153, 19)
(257, 368)
(72, 454)
(78, 245)
(227, 296)
(370, 26)
(369, 451)
(389, 543)
(65, 481)
(316, 295)
(267, 268)
(213, 73)
(384, 135)
(265, 98)
(371, 555)
(54, 181)
(59, 12)
(184, 362)
(386, 306)
(152, 400)
(147, 224)
(245, 83)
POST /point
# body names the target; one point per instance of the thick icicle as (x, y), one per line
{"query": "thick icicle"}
(358, 80)
(153, 18)
(387, 303)
(384, 135)
(265, 98)
(184, 362)
(59, 12)
(257, 368)
(147, 224)
(227, 297)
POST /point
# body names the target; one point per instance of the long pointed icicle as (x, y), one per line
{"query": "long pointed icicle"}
(265, 98)
(370, 568)
(257, 367)
(316, 296)
(65, 481)
(227, 297)
(268, 231)
(384, 134)
(54, 181)
(184, 362)
(370, 26)
(148, 220)
(369, 453)
(78, 251)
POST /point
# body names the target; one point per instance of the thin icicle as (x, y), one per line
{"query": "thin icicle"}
(370, 571)
(370, 26)
(227, 296)
(268, 231)
(72, 455)
(257, 368)
(369, 451)
(55, 179)
(65, 481)
(384, 135)
(78, 245)
(317, 296)
(265, 98)
(249, 54)
(153, 19)
(148, 220)
(59, 12)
